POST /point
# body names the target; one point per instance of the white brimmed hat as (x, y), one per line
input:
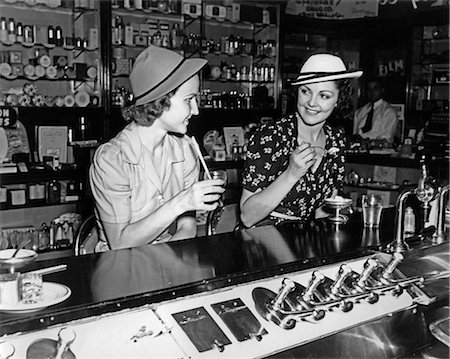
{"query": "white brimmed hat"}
(324, 67)
(157, 71)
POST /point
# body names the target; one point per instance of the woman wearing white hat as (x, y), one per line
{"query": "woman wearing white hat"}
(145, 180)
(295, 163)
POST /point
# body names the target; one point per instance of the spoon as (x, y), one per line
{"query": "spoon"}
(21, 245)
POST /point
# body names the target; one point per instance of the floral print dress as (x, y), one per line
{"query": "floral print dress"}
(268, 153)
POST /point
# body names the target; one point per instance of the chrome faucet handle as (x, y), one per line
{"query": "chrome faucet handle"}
(427, 188)
(316, 278)
(287, 286)
(390, 268)
(344, 272)
(370, 265)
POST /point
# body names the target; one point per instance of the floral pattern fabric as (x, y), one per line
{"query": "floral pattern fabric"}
(268, 153)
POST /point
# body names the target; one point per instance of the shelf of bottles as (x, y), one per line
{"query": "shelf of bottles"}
(49, 53)
(242, 55)
(430, 69)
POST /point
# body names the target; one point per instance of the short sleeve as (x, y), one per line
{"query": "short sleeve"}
(261, 165)
(110, 185)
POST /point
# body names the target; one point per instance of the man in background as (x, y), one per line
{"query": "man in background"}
(377, 119)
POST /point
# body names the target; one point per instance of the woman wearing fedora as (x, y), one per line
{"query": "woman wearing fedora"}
(145, 180)
(294, 164)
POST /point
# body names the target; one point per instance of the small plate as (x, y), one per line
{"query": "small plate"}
(54, 293)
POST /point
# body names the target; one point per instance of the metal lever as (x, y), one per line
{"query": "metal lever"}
(286, 287)
(370, 265)
(316, 278)
(390, 268)
(344, 272)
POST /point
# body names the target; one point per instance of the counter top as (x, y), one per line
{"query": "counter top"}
(115, 280)
(382, 160)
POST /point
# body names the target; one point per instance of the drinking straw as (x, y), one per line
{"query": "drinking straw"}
(200, 156)
(49, 270)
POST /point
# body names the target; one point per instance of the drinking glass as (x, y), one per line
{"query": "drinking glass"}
(218, 174)
(372, 206)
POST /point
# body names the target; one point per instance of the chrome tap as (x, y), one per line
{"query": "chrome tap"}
(439, 235)
(426, 190)
(399, 244)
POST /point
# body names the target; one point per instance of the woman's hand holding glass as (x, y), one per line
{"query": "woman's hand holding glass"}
(301, 159)
(204, 195)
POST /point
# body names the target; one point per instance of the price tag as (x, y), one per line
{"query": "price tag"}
(8, 117)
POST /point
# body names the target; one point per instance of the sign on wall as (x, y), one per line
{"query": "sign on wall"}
(395, 66)
(333, 9)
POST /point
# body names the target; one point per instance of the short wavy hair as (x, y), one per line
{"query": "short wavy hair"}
(147, 113)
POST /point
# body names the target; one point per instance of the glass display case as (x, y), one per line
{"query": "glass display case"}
(49, 54)
(240, 40)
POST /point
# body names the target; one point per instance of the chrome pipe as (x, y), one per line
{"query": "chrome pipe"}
(399, 245)
(439, 235)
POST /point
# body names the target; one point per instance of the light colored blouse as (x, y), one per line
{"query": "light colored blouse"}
(385, 121)
(126, 184)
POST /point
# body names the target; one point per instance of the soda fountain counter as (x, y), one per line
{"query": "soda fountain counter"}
(316, 290)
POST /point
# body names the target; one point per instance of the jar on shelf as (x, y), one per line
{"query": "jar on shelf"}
(36, 192)
(53, 192)
(44, 237)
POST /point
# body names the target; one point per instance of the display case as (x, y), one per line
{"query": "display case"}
(240, 40)
(242, 48)
(50, 75)
(429, 90)
(49, 54)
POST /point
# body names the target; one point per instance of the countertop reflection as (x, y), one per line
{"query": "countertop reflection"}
(150, 273)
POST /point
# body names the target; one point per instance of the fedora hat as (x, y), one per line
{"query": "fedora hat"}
(157, 71)
(324, 67)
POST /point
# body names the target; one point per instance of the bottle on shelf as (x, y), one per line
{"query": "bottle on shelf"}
(3, 30)
(176, 36)
(59, 236)
(44, 237)
(51, 235)
(120, 31)
(51, 35)
(54, 192)
(28, 36)
(157, 39)
(59, 40)
(83, 127)
(11, 30)
(19, 32)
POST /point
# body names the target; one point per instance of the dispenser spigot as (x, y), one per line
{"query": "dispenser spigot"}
(439, 235)
(427, 188)
(399, 244)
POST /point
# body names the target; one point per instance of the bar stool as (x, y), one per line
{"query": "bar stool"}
(86, 237)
